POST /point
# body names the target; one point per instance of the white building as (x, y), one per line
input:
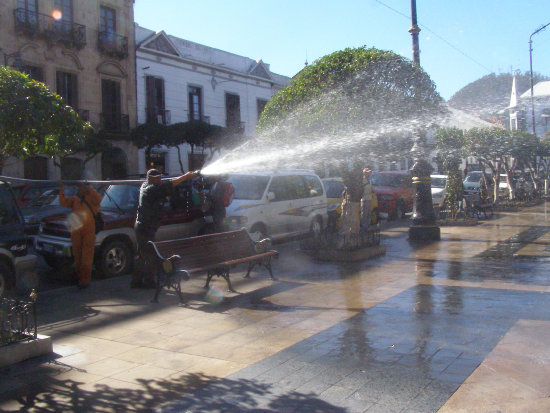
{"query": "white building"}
(522, 106)
(179, 80)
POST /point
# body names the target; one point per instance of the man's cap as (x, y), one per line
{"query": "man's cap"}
(153, 172)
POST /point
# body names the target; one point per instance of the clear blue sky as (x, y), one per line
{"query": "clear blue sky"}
(494, 34)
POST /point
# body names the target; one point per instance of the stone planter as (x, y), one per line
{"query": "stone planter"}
(23, 350)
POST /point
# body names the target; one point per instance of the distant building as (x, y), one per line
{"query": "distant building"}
(179, 80)
(521, 108)
(83, 50)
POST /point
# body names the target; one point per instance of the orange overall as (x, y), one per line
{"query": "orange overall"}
(82, 226)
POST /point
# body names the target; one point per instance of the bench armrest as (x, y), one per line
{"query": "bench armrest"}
(262, 245)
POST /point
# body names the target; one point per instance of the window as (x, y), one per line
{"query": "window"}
(107, 20)
(28, 11)
(313, 186)
(110, 105)
(34, 72)
(260, 104)
(67, 88)
(248, 186)
(66, 9)
(288, 187)
(154, 89)
(232, 111)
(195, 102)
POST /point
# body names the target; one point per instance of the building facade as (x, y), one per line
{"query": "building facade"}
(84, 51)
(179, 80)
(525, 110)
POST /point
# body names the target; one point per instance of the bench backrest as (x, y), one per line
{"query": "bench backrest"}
(204, 250)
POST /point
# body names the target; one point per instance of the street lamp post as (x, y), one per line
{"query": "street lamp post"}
(531, 71)
(423, 226)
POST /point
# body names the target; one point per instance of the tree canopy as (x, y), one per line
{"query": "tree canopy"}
(34, 121)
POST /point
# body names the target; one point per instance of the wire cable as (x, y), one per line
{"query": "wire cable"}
(408, 17)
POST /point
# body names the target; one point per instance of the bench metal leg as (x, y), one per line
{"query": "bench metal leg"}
(157, 291)
(220, 273)
(266, 262)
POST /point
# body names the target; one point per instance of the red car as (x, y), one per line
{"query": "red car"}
(395, 192)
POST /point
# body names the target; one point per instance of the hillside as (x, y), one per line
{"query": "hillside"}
(488, 96)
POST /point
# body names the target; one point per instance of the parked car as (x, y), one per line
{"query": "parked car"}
(17, 267)
(277, 204)
(27, 192)
(115, 245)
(439, 183)
(43, 206)
(472, 181)
(334, 187)
(395, 193)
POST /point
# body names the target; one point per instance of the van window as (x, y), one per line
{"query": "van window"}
(8, 212)
(251, 187)
(288, 187)
(313, 186)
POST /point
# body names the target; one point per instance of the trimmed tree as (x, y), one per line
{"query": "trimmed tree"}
(35, 121)
(450, 146)
(351, 108)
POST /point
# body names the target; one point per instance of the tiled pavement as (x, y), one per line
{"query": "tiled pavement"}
(458, 325)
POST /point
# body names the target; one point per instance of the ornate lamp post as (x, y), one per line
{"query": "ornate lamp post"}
(423, 221)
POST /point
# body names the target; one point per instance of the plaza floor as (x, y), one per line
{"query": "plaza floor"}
(459, 325)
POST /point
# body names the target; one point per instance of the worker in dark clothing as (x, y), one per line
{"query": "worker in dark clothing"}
(217, 209)
(152, 194)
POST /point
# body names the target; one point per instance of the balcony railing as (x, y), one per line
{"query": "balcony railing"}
(161, 116)
(235, 126)
(112, 44)
(114, 122)
(37, 24)
(205, 119)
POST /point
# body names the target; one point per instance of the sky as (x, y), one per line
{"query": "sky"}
(460, 40)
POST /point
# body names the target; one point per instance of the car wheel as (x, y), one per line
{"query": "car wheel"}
(258, 232)
(6, 279)
(115, 259)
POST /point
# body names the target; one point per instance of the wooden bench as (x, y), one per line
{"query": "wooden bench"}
(213, 254)
(477, 206)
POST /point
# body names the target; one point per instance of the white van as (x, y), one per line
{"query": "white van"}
(278, 204)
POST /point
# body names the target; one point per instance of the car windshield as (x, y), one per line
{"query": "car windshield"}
(438, 182)
(51, 196)
(249, 186)
(123, 197)
(387, 180)
(334, 189)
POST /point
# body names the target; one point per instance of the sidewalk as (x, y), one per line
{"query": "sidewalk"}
(458, 325)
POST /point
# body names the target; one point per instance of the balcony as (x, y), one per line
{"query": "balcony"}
(160, 116)
(235, 126)
(112, 44)
(41, 25)
(114, 123)
(205, 119)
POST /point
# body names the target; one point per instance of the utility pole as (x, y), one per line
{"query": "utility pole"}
(414, 30)
(531, 70)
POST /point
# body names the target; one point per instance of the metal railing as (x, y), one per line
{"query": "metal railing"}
(37, 24)
(160, 116)
(202, 118)
(18, 320)
(235, 126)
(114, 122)
(112, 44)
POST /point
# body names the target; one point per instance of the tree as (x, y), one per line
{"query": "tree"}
(34, 121)
(352, 107)
(450, 144)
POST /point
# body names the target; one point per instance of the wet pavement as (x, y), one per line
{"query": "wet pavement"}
(458, 325)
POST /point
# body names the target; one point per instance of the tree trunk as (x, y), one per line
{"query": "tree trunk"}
(350, 223)
(179, 159)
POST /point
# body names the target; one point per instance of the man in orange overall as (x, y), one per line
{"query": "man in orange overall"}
(84, 206)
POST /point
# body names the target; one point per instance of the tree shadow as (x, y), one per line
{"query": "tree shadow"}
(194, 392)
